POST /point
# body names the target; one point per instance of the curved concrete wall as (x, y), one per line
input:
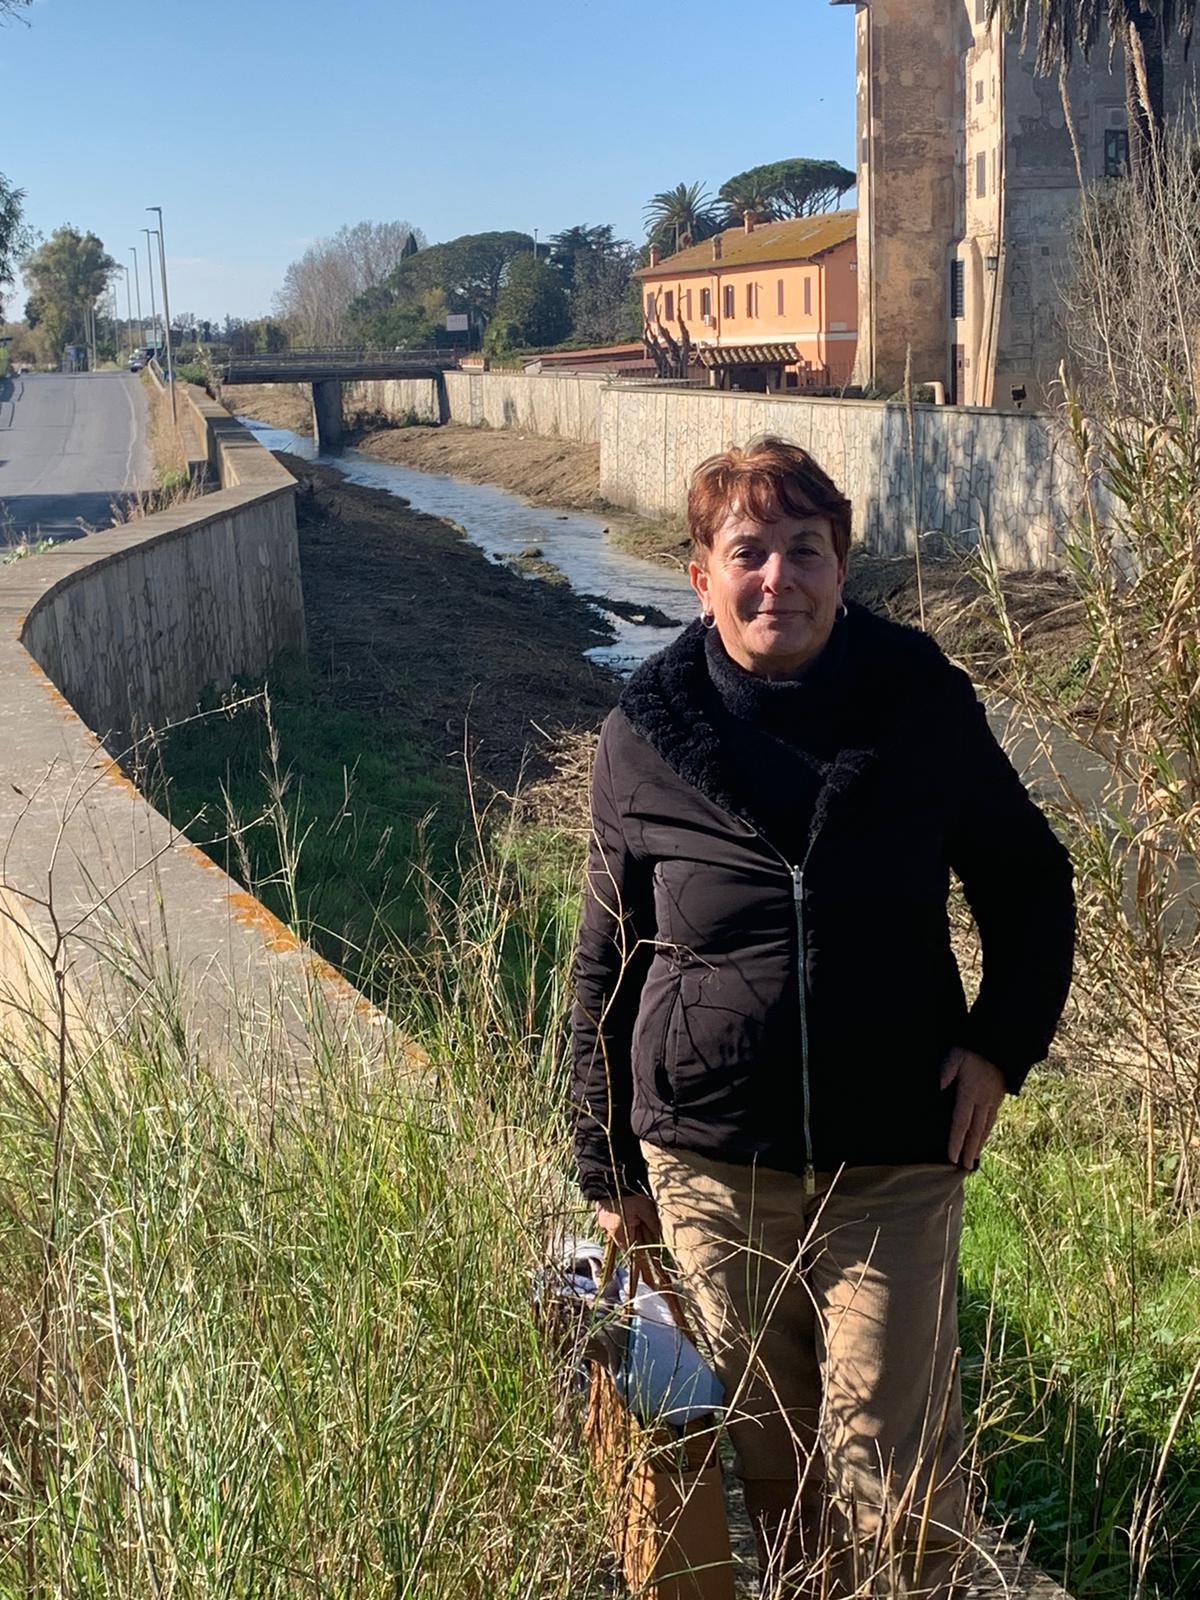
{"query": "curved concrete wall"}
(125, 629)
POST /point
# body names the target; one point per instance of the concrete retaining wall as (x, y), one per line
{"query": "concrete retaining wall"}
(974, 468)
(554, 407)
(99, 894)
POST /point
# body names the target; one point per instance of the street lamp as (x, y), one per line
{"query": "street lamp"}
(153, 339)
(162, 261)
(137, 283)
(128, 310)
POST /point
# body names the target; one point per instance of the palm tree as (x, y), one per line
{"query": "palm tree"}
(1144, 27)
(687, 209)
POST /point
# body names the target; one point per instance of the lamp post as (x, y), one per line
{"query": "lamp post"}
(128, 312)
(150, 277)
(137, 284)
(162, 261)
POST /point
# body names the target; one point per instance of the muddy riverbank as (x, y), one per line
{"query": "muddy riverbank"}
(406, 616)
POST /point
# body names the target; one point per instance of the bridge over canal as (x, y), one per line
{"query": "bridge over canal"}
(328, 370)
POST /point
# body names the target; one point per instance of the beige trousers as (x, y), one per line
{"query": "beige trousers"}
(832, 1322)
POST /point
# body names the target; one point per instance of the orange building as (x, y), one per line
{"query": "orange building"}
(769, 305)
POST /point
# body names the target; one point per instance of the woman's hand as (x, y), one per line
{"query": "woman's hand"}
(980, 1091)
(629, 1221)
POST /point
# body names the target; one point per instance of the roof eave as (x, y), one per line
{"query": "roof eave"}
(769, 261)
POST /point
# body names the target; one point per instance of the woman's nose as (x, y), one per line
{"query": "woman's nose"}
(776, 573)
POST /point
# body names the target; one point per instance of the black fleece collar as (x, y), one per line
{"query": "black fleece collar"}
(670, 701)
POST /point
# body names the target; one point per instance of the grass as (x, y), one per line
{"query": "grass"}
(1080, 1289)
(370, 810)
(291, 1346)
(1081, 1305)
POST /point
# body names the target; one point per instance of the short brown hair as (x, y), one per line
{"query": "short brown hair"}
(768, 479)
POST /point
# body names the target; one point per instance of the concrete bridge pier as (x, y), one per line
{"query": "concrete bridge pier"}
(328, 423)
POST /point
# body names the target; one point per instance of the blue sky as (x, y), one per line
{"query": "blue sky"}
(273, 122)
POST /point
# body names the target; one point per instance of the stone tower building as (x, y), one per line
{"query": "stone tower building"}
(967, 182)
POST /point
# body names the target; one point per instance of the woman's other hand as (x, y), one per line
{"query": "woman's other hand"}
(977, 1100)
(630, 1221)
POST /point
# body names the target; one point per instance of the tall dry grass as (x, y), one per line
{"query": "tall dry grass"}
(268, 1338)
(1095, 1287)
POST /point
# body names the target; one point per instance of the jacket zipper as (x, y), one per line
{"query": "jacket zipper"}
(810, 1175)
(796, 872)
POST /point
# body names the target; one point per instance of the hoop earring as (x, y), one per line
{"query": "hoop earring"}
(842, 611)
(707, 620)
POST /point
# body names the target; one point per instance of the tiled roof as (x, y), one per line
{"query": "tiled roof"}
(798, 240)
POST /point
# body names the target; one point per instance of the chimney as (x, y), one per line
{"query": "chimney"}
(716, 247)
(654, 255)
(749, 218)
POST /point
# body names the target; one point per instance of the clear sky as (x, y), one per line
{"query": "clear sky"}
(260, 125)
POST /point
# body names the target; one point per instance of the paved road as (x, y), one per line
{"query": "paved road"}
(70, 444)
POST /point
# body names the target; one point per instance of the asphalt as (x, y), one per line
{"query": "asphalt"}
(70, 444)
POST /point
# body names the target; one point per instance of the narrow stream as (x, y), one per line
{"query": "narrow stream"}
(504, 525)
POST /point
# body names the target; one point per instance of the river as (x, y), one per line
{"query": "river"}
(503, 525)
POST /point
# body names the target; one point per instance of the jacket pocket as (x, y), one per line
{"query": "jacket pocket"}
(664, 1085)
(710, 1047)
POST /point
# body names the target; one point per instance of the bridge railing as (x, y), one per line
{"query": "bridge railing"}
(346, 355)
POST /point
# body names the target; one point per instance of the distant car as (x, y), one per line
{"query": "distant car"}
(137, 361)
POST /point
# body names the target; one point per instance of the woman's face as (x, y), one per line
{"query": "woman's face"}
(773, 589)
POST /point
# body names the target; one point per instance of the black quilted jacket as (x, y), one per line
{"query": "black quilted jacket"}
(786, 995)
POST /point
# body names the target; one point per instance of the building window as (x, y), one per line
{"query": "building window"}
(727, 300)
(981, 10)
(669, 306)
(978, 91)
(750, 300)
(958, 289)
(981, 175)
(685, 304)
(779, 297)
(808, 296)
(705, 304)
(649, 308)
(1116, 152)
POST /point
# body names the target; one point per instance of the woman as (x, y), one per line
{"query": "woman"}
(775, 1069)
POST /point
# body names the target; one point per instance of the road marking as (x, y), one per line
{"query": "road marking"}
(133, 438)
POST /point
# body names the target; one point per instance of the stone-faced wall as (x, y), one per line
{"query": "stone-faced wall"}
(973, 468)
